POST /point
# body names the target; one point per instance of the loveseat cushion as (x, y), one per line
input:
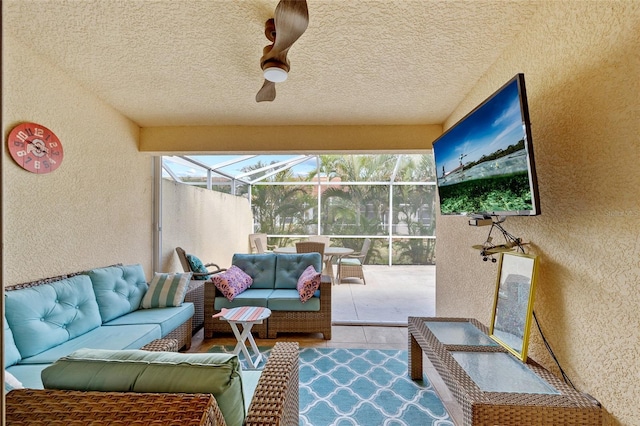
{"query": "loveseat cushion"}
(250, 297)
(260, 267)
(289, 300)
(11, 353)
(167, 318)
(103, 337)
(119, 289)
(289, 267)
(48, 315)
(142, 371)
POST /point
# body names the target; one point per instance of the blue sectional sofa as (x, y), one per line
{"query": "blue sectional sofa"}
(274, 286)
(96, 309)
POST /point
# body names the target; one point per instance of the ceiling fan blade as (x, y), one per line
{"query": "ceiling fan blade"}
(291, 21)
(267, 92)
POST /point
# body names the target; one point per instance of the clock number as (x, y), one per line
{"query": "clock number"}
(53, 144)
(55, 152)
(39, 132)
(36, 165)
(28, 160)
(18, 143)
(22, 135)
(52, 161)
(46, 164)
(29, 132)
(21, 153)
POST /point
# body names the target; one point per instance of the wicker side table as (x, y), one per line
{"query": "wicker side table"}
(162, 345)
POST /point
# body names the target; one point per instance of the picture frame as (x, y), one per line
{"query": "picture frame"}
(513, 302)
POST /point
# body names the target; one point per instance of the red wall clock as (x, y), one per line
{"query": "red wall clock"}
(35, 148)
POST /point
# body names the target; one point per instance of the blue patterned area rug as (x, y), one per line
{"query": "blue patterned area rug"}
(362, 387)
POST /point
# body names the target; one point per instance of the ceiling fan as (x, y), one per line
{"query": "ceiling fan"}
(290, 21)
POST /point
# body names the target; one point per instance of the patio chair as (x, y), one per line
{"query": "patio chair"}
(320, 239)
(190, 264)
(351, 266)
(258, 243)
(310, 247)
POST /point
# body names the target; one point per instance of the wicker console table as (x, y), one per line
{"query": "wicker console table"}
(490, 386)
(74, 408)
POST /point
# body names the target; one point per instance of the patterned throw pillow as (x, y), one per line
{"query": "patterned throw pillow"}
(196, 265)
(308, 283)
(232, 282)
(166, 290)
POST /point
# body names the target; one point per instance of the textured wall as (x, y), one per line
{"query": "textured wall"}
(582, 71)
(209, 224)
(95, 209)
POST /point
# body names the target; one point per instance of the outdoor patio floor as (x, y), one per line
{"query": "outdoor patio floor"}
(371, 316)
(392, 293)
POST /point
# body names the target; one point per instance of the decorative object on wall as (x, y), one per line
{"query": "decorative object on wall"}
(35, 148)
(488, 249)
(513, 302)
(289, 23)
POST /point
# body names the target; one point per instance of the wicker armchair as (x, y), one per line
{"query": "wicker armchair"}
(351, 266)
(275, 402)
(310, 247)
(182, 255)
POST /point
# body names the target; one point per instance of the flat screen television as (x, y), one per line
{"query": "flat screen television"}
(484, 163)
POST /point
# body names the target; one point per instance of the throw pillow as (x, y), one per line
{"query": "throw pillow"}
(10, 382)
(166, 290)
(308, 283)
(232, 282)
(196, 265)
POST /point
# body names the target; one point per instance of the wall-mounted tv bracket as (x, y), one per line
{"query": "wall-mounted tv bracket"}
(488, 249)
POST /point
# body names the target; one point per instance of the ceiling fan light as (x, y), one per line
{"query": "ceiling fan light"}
(275, 74)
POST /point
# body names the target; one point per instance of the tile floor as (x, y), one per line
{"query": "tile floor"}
(371, 316)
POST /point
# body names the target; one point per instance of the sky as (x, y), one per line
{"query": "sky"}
(496, 123)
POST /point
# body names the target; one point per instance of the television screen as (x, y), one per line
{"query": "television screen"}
(484, 163)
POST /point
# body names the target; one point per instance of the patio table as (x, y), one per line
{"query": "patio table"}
(329, 253)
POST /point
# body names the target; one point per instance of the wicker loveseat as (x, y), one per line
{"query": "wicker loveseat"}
(274, 286)
(138, 387)
(99, 308)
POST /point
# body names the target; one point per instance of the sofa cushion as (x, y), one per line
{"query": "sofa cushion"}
(289, 300)
(232, 282)
(104, 337)
(308, 283)
(251, 297)
(167, 318)
(48, 315)
(196, 265)
(166, 290)
(28, 374)
(289, 267)
(260, 267)
(11, 353)
(119, 289)
(143, 371)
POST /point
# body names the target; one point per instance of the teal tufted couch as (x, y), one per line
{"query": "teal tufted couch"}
(274, 286)
(97, 309)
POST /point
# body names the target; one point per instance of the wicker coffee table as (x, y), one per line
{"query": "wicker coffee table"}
(489, 385)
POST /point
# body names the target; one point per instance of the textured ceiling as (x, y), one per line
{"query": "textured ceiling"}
(187, 62)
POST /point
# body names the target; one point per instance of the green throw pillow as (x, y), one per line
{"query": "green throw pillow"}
(166, 290)
(196, 265)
